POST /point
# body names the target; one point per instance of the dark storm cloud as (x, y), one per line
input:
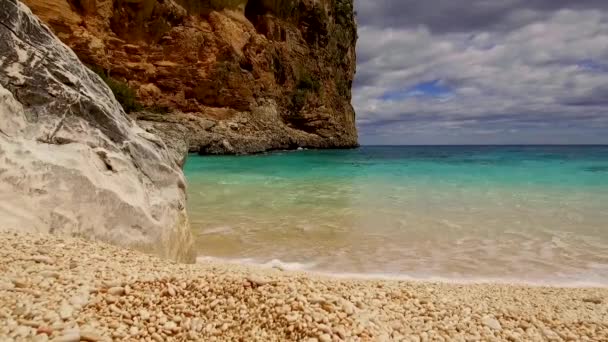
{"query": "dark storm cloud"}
(481, 67)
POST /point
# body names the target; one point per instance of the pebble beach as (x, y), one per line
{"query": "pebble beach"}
(69, 289)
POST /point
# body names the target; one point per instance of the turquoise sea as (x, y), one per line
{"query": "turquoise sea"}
(526, 214)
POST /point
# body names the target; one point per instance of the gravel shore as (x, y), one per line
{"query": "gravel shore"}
(69, 289)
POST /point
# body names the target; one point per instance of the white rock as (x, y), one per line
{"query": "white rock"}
(325, 338)
(112, 283)
(22, 331)
(65, 311)
(324, 328)
(79, 300)
(144, 314)
(90, 336)
(259, 281)
(316, 300)
(491, 323)
(116, 291)
(292, 318)
(49, 274)
(42, 259)
(69, 337)
(170, 325)
(40, 338)
(347, 307)
(90, 168)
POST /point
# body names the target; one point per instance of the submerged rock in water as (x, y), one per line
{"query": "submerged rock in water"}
(71, 161)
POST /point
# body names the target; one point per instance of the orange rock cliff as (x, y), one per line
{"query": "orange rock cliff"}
(223, 76)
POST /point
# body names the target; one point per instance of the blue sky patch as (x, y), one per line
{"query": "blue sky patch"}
(434, 88)
(591, 65)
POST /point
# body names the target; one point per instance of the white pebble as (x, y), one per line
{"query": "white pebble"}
(65, 311)
(491, 323)
(116, 291)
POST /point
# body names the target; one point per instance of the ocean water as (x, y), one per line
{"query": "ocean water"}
(525, 214)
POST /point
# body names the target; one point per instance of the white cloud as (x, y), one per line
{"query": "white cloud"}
(502, 80)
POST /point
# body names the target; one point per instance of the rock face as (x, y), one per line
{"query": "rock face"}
(71, 161)
(238, 76)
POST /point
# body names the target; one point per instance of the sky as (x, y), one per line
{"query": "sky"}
(482, 71)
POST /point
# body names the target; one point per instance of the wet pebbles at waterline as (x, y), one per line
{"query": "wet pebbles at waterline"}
(68, 289)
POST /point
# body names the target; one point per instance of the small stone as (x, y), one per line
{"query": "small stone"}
(65, 311)
(170, 325)
(32, 324)
(292, 318)
(80, 300)
(550, 335)
(43, 259)
(90, 336)
(69, 337)
(317, 300)
(156, 337)
(491, 323)
(348, 307)
(49, 274)
(116, 291)
(110, 284)
(341, 332)
(40, 338)
(20, 283)
(593, 300)
(22, 310)
(231, 302)
(22, 331)
(258, 281)
(325, 338)
(44, 330)
(324, 328)
(111, 299)
(145, 315)
(171, 291)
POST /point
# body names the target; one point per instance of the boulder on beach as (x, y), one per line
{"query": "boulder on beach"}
(71, 161)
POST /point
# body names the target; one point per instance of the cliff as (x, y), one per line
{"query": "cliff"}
(228, 76)
(71, 161)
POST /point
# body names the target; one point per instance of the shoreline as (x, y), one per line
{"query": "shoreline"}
(74, 289)
(298, 267)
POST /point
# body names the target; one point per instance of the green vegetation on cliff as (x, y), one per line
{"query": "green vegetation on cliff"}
(122, 92)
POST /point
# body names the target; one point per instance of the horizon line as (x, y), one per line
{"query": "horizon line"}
(514, 144)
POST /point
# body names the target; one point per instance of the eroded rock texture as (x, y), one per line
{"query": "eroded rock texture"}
(238, 76)
(71, 161)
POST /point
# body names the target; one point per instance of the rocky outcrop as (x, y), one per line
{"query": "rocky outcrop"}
(238, 76)
(71, 161)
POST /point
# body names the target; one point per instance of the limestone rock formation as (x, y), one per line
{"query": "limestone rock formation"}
(237, 76)
(71, 161)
